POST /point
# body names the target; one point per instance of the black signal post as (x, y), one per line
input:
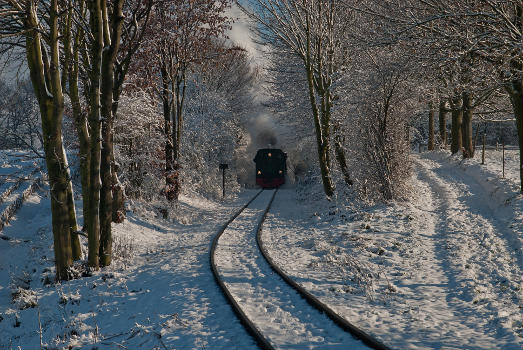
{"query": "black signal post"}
(223, 166)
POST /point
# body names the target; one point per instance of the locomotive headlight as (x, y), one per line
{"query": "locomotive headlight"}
(259, 172)
(280, 172)
(269, 154)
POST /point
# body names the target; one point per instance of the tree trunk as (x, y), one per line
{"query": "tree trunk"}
(177, 98)
(167, 121)
(431, 128)
(118, 196)
(68, 55)
(178, 104)
(119, 73)
(106, 194)
(515, 89)
(82, 132)
(443, 123)
(73, 225)
(60, 209)
(457, 120)
(118, 199)
(321, 128)
(93, 222)
(45, 78)
(112, 37)
(169, 131)
(468, 147)
(518, 100)
(321, 138)
(328, 186)
(342, 162)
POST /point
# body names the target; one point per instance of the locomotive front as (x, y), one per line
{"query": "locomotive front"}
(271, 167)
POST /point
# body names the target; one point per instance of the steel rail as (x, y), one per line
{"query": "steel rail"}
(261, 340)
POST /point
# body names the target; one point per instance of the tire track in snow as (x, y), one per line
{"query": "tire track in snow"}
(472, 253)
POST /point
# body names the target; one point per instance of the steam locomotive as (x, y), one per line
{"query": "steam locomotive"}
(271, 167)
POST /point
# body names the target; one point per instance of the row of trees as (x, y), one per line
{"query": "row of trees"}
(471, 58)
(307, 31)
(181, 36)
(79, 54)
(367, 67)
(353, 87)
(71, 52)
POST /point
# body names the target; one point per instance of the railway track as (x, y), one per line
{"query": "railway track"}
(277, 312)
(13, 195)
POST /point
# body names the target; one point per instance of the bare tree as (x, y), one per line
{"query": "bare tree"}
(378, 99)
(442, 122)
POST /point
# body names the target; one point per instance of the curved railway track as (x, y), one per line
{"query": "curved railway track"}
(276, 311)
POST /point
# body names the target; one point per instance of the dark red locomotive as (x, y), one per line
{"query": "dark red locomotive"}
(271, 167)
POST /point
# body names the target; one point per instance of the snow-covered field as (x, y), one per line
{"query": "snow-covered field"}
(441, 271)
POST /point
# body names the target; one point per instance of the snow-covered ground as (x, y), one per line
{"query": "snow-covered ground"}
(441, 271)
(275, 308)
(159, 293)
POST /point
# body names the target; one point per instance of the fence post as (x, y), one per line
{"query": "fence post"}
(483, 151)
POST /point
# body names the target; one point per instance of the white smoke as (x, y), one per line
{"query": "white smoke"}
(264, 132)
(263, 129)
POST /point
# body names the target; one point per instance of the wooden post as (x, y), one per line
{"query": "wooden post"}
(483, 150)
(430, 146)
(503, 158)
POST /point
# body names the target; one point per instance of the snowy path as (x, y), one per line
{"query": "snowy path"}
(472, 248)
(276, 309)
